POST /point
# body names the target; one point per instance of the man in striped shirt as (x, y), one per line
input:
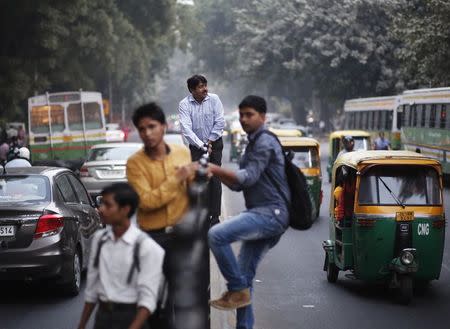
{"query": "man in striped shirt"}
(202, 123)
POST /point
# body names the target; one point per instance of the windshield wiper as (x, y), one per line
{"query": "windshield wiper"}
(392, 193)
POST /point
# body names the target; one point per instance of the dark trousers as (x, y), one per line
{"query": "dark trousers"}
(215, 187)
(164, 314)
(116, 319)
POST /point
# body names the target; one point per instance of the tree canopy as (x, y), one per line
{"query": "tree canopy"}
(331, 50)
(113, 46)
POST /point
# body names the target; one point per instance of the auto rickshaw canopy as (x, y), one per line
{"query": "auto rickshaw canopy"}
(286, 132)
(354, 133)
(357, 158)
(299, 141)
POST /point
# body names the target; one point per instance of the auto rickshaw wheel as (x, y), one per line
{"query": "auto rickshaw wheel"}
(405, 293)
(332, 270)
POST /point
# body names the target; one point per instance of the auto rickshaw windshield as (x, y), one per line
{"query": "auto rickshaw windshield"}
(400, 185)
(305, 157)
(361, 143)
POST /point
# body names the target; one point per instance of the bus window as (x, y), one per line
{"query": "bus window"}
(407, 116)
(388, 122)
(359, 117)
(39, 119)
(74, 116)
(442, 115)
(372, 121)
(414, 116)
(432, 110)
(57, 116)
(422, 115)
(400, 118)
(92, 116)
(376, 121)
(382, 119)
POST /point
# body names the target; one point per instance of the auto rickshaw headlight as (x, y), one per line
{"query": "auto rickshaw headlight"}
(406, 257)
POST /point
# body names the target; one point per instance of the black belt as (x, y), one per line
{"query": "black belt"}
(167, 229)
(111, 306)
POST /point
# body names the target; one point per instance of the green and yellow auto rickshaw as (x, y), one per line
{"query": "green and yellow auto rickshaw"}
(362, 142)
(387, 219)
(307, 158)
(238, 142)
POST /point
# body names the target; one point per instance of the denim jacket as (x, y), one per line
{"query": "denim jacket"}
(263, 157)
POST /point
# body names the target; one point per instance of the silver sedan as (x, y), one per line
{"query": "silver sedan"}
(106, 164)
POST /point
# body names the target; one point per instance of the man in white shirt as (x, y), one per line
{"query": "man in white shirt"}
(202, 123)
(125, 266)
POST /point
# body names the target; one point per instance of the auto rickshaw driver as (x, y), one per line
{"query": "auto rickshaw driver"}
(344, 195)
(349, 145)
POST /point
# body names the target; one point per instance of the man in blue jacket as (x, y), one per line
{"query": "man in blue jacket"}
(261, 225)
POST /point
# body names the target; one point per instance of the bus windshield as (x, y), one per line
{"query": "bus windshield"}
(409, 185)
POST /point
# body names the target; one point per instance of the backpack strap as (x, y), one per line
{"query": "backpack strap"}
(101, 241)
(136, 264)
(265, 173)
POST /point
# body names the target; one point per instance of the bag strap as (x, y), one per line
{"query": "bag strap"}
(272, 180)
(136, 261)
(101, 241)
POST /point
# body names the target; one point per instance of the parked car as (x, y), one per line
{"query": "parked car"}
(114, 133)
(47, 220)
(106, 164)
(174, 138)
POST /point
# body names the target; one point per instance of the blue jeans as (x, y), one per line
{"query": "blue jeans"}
(258, 234)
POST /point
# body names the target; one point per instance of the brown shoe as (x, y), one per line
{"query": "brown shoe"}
(231, 300)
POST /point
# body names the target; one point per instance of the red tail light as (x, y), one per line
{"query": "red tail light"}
(84, 172)
(47, 225)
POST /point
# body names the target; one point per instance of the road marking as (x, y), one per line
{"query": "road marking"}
(258, 281)
(308, 306)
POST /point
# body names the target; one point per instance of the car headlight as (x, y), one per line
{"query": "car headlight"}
(406, 257)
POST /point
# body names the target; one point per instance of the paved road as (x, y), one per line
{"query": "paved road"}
(291, 291)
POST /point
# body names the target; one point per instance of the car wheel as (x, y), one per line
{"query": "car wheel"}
(73, 286)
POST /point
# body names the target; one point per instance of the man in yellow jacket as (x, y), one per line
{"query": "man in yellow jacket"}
(159, 173)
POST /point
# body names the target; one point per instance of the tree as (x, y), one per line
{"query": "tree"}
(423, 29)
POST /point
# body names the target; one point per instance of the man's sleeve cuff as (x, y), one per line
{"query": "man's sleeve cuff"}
(90, 298)
(241, 175)
(151, 306)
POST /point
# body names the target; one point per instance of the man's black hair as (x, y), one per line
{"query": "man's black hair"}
(195, 80)
(124, 195)
(150, 110)
(255, 102)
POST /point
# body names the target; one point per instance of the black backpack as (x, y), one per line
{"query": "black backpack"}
(300, 207)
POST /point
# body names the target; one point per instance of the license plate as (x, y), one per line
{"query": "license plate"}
(404, 216)
(7, 230)
(112, 173)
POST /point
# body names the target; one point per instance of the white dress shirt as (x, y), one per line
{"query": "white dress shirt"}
(203, 121)
(108, 282)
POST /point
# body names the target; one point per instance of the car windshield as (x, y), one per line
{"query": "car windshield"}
(112, 153)
(394, 185)
(305, 157)
(24, 189)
